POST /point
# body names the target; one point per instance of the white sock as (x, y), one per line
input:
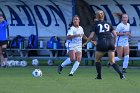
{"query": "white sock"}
(126, 61)
(66, 62)
(117, 59)
(75, 66)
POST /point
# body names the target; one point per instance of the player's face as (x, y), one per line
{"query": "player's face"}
(125, 18)
(76, 21)
(1, 19)
(100, 15)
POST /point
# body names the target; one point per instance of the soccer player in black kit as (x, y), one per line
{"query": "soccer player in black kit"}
(106, 37)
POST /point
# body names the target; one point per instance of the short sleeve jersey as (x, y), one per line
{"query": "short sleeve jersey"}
(77, 41)
(122, 28)
(3, 27)
(102, 29)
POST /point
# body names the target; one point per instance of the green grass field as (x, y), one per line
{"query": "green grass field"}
(20, 80)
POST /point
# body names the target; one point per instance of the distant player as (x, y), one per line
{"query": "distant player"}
(106, 37)
(3, 41)
(74, 45)
(122, 44)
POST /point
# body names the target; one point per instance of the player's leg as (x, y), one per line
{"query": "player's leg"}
(126, 58)
(67, 61)
(101, 48)
(78, 55)
(98, 56)
(114, 65)
(119, 50)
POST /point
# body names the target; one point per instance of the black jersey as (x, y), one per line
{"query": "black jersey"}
(102, 29)
(105, 39)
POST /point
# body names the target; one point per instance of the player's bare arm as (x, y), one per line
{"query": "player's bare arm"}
(89, 38)
(115, 34)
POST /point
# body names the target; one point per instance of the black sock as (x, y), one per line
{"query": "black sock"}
(117, 69)
(98, 68)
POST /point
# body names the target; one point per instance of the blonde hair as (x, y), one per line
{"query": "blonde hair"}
(99, 17)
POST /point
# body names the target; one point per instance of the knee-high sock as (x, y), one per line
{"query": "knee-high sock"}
(98, 68)
(117, 59)
(75, 66)
(66, 62)
(126, 61)
(116, 68)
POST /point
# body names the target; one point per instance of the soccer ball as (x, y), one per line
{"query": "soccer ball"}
(50, 62)
(35, 62)
(37, 73)
(23, 63)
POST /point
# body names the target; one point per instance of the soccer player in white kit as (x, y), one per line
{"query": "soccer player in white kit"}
(74, 45)
(122, 44)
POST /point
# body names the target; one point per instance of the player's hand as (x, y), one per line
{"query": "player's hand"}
(94, 42)
(84, 44)
(127, 34)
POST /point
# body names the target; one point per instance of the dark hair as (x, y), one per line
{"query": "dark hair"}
(71, 24)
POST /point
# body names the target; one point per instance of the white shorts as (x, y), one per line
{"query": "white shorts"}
(122, 43)
(75, 48)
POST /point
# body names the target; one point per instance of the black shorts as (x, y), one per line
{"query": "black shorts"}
(3, 42)
(105, 44)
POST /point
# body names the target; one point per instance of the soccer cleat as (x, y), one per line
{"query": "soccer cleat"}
(70, 74)
(108, 64)
(122, 76)
(98, 77)
(60, 68)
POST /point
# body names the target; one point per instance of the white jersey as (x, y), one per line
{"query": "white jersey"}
(77, 41)
(122, 28)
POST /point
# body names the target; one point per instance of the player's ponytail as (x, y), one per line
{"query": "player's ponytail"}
(119, 15)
